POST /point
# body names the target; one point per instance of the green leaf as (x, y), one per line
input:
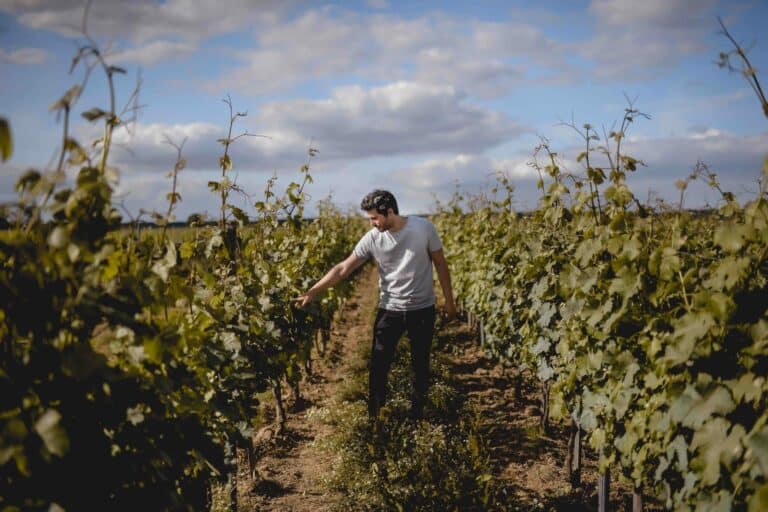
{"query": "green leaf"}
(225, 162)
(58, 238)
(718, 401)
(730, 236)
(689, 329)
(67, 100)
(759, 501)
(239, 214)
(747, 389)
(627, 283)
(53, 435)
(187, 250)
(28, 180)
(715, 445)
(77, 154)
(626, 443)
(163, 266)
(730, 271)
(758, 447)
(6, 142)
(153, 348)
(93, 114)
(720, 502)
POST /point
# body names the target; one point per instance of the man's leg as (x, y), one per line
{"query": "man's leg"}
(421, 328)
(387, 329)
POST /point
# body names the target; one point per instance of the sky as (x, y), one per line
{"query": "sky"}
(417, 97)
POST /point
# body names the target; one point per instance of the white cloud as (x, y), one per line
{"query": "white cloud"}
(24, 55)
(401, 118)
(484, 59)
(469, 170)
(666, 14)
(314, 45)
(153, 52)
(729, 155)
(398, 118)
(736, 159)
(635, 40)
(145, 20)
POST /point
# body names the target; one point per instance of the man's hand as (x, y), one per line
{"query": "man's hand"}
(303, 300)
(449, 310)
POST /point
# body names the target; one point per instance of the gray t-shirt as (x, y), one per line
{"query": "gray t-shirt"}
(405, 263)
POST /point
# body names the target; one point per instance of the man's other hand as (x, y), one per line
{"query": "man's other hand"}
(449, 311)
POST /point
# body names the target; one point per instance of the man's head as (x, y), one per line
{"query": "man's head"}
(379, 205)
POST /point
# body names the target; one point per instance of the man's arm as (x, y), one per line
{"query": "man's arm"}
(444, 276)
(337, 273)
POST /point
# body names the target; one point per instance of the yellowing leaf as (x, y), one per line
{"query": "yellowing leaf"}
(6, 142)
(759, 501)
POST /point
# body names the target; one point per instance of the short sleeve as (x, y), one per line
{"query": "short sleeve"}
(363, 247)
(433, 243)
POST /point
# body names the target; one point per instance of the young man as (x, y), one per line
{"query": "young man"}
(405, 248)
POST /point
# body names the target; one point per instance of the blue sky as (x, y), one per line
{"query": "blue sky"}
(410, 96)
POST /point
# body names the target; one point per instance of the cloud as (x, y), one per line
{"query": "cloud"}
(485, 59)
(146, 20)
(25, 56)
(437, 178)
(354, 123)
(637, 40)
(665, 14)
(734, 157)
(395, 119)
(153, 52)
(313, 45)
(465, 169)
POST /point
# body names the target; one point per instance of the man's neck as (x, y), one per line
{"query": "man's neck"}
(398, 223)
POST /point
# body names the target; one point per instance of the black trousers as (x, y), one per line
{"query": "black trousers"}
(387, 330)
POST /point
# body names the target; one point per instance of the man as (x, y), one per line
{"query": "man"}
(405, 248)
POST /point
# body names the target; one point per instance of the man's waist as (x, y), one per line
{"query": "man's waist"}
(394, 303)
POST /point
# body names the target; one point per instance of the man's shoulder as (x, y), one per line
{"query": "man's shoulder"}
(420, 220)
(369, 235)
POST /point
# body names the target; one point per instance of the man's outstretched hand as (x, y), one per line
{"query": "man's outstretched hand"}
(304, 299)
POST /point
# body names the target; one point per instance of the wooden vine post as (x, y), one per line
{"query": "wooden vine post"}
(604, 491)
(574, 454)
(230, 459)
(637, 500)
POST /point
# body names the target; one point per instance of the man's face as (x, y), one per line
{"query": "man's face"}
(378, 220)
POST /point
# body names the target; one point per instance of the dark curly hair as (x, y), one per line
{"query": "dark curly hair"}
(381, 201)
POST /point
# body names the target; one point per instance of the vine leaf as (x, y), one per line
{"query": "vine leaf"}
(6, 143)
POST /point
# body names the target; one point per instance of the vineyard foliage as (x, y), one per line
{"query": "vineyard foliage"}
(128, 362)
(648, 326)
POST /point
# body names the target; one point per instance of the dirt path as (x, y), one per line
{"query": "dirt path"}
(293, 465)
